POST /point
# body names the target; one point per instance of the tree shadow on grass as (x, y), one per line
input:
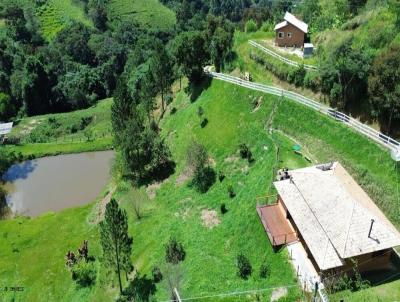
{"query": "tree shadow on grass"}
(139, 289)
(158, 174)
(195, 89)
(204, 180)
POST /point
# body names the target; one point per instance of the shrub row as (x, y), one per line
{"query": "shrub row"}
(298, 76)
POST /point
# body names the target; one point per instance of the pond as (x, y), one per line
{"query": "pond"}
(56, 182)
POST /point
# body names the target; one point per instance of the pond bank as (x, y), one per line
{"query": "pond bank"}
(57, 182)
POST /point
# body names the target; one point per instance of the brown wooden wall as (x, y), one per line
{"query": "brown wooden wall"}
(297, 38)
(366, 263)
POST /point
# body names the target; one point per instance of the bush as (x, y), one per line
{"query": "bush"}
(267, 26)
(296, 76)
(221, 176)
(173, 110)
(84, 273)
(85, 121)
(200, 111)
(223, 209)
(203, 175)
(174, 252)
(204, 123)
(73, 128)
(157, 274)
(53, 123)
(311, 81)
(251, 26)
(203, 178)
(245, 153)
(244, 267)
(7, 107)
(231, 192)
(264, 271)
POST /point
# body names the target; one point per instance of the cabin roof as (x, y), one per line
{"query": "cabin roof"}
(289, 18)
(334, 215)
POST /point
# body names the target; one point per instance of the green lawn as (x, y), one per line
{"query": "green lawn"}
(243, 63)
(32, 256)
(147, 12)
(55, 14)
(176, 210)
(77, 131)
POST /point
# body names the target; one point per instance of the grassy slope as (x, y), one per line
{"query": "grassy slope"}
(147, 12)
(32, 255)
(210, 264)
(269, 38)
(60, 139)
(56, 14)
(176, 210)
(243, 63)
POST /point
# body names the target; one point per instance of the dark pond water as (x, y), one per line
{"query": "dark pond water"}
(57, 182)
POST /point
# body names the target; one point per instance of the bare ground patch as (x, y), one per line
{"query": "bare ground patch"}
(258, 104)
(212, 162)
(185, 175)
(151, 190)
(101, 206)
(278, 293)
(210, 218)
(231, 159)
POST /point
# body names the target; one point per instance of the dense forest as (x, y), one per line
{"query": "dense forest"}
(82, 62)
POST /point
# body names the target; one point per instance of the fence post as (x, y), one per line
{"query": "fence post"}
(177, 296)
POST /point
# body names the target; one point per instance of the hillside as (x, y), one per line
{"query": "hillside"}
(180, 208)
(71, 132)
(147, 12)
(139, 89)
(55, 14)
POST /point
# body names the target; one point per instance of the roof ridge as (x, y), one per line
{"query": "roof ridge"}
(320, 224)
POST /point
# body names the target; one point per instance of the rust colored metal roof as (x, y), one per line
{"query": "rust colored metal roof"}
(277, 227)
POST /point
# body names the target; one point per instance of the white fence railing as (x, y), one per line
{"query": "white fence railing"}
(279, 57)
(371, 133)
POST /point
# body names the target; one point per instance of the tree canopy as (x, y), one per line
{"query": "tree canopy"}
(115, 240)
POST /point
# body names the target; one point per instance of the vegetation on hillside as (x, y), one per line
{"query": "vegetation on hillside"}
(191, 163)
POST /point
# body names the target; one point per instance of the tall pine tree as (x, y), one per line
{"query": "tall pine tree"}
(115, 240)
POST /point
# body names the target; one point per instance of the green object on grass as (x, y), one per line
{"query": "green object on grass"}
(296, 147)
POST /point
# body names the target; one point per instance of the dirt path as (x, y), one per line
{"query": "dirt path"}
(101, 206)
(308, 153)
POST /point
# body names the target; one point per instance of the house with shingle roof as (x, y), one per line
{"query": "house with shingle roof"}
(291, 32)
(323, 208)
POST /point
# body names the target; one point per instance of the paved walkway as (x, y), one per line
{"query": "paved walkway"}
(302, 265)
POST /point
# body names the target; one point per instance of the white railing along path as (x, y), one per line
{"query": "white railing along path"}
(371, 133)
(279, 57)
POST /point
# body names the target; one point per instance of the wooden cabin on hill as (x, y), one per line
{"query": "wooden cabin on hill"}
(291, 32)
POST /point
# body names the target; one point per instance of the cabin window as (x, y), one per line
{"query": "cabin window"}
(281, 35)
(289, 35)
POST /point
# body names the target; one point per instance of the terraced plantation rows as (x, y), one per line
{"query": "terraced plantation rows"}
(55, 14)
(148, 12)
